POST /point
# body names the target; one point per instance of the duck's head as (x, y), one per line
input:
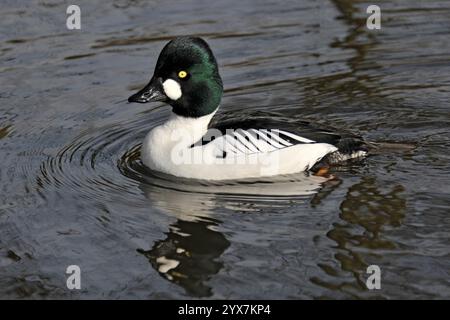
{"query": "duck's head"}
(186, 77)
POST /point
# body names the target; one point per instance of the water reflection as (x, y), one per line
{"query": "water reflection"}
(63, 200)
(4, 131)
(356, 81)
(190, 254)
(367, 210)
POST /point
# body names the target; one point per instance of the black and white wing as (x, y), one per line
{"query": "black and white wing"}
(259, 134)
(249, 141)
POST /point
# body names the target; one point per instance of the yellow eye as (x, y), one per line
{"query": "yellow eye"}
(182, 74)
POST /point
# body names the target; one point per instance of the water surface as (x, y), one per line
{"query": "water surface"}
(73, 190)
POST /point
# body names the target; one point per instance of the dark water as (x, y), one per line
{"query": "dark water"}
(73, 190)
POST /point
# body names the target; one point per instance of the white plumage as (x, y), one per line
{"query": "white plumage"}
(172, 89)
(172, 148)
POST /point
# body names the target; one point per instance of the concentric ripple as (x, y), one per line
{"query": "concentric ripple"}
(104, 163)
(88, 164)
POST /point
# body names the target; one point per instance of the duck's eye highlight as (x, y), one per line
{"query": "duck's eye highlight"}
(182, 74)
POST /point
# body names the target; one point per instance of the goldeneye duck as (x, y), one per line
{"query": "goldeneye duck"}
(187, 78)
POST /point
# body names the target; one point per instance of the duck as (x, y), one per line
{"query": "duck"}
(190, 145)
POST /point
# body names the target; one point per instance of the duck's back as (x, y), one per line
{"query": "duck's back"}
(277, 130)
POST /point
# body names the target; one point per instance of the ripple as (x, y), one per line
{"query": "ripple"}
(88, 163)
(104, 164)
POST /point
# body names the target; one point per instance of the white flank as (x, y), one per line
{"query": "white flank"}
(168, 148)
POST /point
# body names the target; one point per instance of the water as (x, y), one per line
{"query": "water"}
(73, 190)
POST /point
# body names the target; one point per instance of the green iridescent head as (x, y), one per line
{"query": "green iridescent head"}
(186, 77)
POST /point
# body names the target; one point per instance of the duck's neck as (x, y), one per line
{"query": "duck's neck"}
(190, 130)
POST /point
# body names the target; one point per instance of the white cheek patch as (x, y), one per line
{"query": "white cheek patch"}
(172, 89)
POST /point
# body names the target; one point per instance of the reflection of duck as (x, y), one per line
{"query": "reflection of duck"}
(190, 254)
(187, 77)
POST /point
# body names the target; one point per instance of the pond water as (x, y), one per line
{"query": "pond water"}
(74, 192)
